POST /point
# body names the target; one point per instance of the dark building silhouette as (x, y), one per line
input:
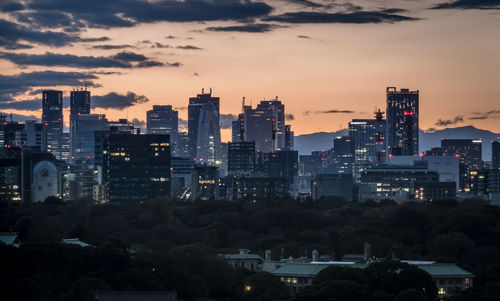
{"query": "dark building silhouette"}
(469, 151)
(52, 120)
(138, 167)
(164, 120)
(343, 155)
(196, 104)
(208, 144)
(284, 164)
(402, 122)
(289, 137)
(79, 102)
(204, 183)
(241, 158)
(495, 154)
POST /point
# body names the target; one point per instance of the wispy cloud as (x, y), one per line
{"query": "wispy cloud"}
(334, 111)
(447, 122)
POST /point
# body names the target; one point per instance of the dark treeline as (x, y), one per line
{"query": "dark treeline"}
(164, 245)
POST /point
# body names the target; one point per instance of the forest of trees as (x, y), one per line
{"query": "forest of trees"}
(167, 245)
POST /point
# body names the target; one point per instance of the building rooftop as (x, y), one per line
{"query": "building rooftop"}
(240, 256)
(445, 270)
(8, 238)
(310, 269)
(75, 241)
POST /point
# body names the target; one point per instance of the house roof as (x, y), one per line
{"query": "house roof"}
(241, 256)
(309, 269)
(445, 270)
(75, 241)
(8, 238)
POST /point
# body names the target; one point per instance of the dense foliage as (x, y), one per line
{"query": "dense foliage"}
(164, 245)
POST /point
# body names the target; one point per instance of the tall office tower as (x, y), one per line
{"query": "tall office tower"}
(495, 154)
(289, 137)
(278, 110)
(368, 142)
(163, 120)
(469, 152)
(241, 158)
(34, 134)
(343, 155)
(196, 104)
(259, 126)
(79, 101)
(208, 144)
(284, 164)
(52, 119)
(402, 122)
(84, 156)
(183, 145)
(138, 167)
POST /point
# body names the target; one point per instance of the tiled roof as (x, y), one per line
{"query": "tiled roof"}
(445, 270)
(8, 238)
(241, 256)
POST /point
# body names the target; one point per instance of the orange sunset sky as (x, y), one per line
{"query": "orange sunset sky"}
(452, 55)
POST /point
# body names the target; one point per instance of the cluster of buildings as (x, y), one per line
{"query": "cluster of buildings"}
(299, 273)
(108, 160)
(379, 159)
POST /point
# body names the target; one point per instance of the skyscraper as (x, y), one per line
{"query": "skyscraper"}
(241, 158)
(139, 167)
(196, 104)
(164, 120)
(278, 111)
(79, 102)
(208, 144)
(402, 121)
(367, 136)
(469, 152)
(343, 155)
(495, 154)
(52, 119)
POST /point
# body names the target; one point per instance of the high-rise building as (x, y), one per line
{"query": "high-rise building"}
(284, 164)
(52, 119)
(495, 154)
(84, 127)
(289, 137)
(138, 167)
(367, 136)
(196, 105)
(79, 102)
(278, 110)
(204, 183)
(402, 122)
(343, 155)
(183, 145)
(208, 144)
(163, 120)
(469, 151)
(241, 158)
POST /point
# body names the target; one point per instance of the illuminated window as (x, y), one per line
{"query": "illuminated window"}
(441, 291)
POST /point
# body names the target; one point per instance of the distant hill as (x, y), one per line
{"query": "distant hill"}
(323, 140)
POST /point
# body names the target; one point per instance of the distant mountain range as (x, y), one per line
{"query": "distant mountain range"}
(305, 144)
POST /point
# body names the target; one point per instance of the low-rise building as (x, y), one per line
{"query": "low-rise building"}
(244, 260)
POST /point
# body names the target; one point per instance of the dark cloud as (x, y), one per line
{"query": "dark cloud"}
(114, 100)
(160, 45)
(226, 120)
(289, 117)
(13, 85)
(485, 115)
(99, 39)
(139, 124)
(11, 7)
(252, 27)
(170, 37)
(188, 47)
(457, 119)
(109, 47)
(307, 3)
(196, 74)
(11, 34)
(303, 37)
(105, 14)
(356, 17)
(307, 113)
(120, 60)
(469, 4)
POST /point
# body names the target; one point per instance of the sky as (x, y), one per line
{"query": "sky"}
(329, 61)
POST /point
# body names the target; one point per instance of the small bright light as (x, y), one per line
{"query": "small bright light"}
(248, 288)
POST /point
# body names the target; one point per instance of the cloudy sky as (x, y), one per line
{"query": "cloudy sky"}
(329, 60)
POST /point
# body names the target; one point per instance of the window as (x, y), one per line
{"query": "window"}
(441, 291)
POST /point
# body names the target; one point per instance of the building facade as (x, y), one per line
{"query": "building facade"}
(52, 120)
(402, 121)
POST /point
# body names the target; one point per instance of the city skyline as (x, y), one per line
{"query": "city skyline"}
(326, 69)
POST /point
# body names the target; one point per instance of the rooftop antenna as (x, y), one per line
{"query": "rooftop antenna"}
(243, 105)
(202, 90)
(210, 90)
(85, 86)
